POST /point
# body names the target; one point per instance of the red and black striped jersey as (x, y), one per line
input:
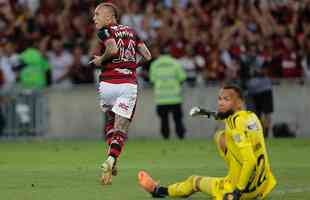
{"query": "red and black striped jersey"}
(122, 68)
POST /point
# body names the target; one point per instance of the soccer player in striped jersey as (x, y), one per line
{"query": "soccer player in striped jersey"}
(119, 46)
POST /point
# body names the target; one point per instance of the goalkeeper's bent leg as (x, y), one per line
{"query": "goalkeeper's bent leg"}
(185, 188)
(181, 189)
(215, 187)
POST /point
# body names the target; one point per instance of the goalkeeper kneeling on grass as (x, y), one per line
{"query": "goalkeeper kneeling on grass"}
(241, 145)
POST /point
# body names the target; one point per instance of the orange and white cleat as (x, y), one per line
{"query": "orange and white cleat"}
(147, 182)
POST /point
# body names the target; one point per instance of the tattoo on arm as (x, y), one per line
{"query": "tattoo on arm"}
(121, 123)
(146, 55)
(110, 51)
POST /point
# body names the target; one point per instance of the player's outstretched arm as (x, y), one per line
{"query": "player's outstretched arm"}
(198, 111)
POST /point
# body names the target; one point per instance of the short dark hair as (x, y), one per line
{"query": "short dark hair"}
(235, 88)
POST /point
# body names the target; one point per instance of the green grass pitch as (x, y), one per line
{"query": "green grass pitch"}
(69, 170)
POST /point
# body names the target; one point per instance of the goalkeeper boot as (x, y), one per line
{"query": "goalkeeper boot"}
(147, 182)
(107, 169)
(149, 185)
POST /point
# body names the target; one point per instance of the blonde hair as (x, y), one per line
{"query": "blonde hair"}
(112, 7)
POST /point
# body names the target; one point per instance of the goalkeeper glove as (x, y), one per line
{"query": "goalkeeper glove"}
(196, 111)
(235, 195)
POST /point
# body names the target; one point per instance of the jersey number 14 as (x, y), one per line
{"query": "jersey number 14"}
(127, 53)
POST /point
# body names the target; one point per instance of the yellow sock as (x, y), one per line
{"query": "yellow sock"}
(182, 189)
(204, 184)
(215, 187)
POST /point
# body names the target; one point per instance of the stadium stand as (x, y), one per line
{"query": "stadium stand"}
(214, 40)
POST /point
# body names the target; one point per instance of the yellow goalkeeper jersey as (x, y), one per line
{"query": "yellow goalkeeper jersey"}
(246, 156)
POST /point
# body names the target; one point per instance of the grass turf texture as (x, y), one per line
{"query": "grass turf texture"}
(62, 170)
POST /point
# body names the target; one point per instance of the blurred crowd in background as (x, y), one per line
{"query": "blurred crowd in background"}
(49, 43)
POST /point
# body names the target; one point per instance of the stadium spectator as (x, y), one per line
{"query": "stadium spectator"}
(2, 120)
(259, 88)
(60, 60)
(216, 30)
(167, 76)
(2, 83)
(134, 18)
(2, 79)
(190, 66)
(8, 60)
(31, 5)
(306, 59)
(80, 71)
(215, 69)
(290, 67)
(33, 69)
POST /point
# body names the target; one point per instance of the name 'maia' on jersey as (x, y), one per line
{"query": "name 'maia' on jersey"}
(121, 69)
